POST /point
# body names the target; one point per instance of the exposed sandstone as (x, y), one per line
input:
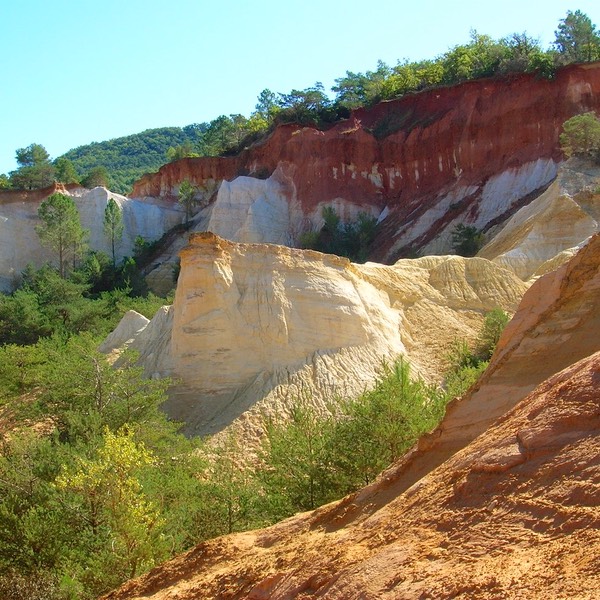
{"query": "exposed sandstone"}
(556, 324)
(255, 326)
(540, 236)
(466, 153)
(129, 327)
(501, 501)
(20, 244)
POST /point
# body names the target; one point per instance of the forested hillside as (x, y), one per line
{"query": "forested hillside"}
(127, 158)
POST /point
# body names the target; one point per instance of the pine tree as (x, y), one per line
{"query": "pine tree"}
(61, 228)
(113, 226)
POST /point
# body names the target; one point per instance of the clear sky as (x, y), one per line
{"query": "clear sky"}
(79, 71)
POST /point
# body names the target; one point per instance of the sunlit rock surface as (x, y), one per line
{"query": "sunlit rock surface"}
(546, 232)
(257, 326)
(20, 244)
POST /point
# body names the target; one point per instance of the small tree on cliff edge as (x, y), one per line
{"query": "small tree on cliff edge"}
(60, 228)
(581, 136)
(187, 198)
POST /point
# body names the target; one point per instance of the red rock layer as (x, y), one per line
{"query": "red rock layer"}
(404, 153)
(11, 196)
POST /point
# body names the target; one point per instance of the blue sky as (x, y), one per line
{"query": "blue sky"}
(79, 71)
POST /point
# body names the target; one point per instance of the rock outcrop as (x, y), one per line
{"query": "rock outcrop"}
(516, 514)
(20, 244)
(508, 485)
(129, 328)
(556, 324)
(470, 153)
(546, 232)
(255, 326)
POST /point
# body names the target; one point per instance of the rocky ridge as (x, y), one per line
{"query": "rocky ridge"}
(507, 507)
(470, 153)
(253, 327)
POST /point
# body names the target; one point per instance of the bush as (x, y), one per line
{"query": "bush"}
(466, 363)
(314, 458)
(352, 240)
(467, 240)
(493, 325)
(581, 136)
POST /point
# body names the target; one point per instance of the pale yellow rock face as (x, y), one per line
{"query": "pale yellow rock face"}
(557, 324)
(256, 326)
(543, 235)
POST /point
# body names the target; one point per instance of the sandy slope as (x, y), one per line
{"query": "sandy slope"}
(514, 515)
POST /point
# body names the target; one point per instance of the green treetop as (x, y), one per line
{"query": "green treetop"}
(581, 136)
(64, 171)
(61, 229)
(35, 169)
(577, 39)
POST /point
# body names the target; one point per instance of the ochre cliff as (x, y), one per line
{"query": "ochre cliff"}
(556, 324)
(467, 153)
(255, 326)
(516, 514)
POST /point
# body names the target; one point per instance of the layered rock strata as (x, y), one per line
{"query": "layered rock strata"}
(548, 231)
(256, 326)
(469, 153)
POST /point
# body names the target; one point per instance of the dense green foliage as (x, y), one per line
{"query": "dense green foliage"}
(467, 362)
(313, 458)
(577, 38)
(352, 239)
(35, 169)
(581, 136)
(110, 487)
(128, 158)
(91, 299)
(64, 171)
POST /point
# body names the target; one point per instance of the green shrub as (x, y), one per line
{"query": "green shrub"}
(493, 325)
(465, 362)
(467, 240)
(352, 240)
(581, 136)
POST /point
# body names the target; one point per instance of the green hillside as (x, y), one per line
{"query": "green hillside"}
(127, 158)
